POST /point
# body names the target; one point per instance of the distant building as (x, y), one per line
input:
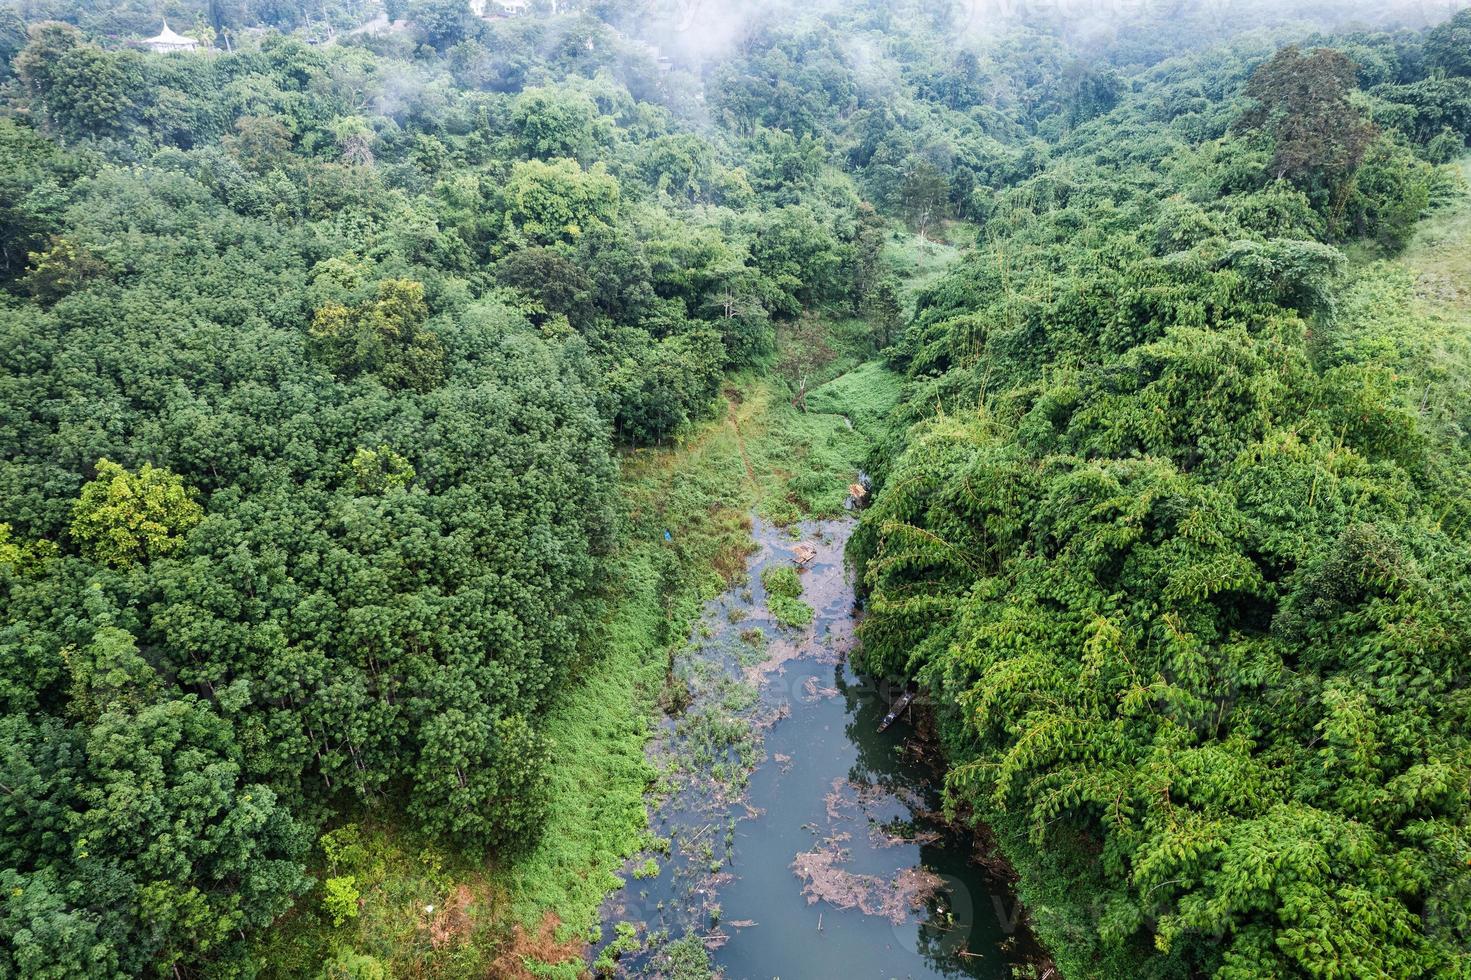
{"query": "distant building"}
(168, 42)
(501, 8)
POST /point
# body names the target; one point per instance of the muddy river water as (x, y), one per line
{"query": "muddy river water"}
(794, 839)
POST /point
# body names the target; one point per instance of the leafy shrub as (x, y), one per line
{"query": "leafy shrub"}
(789, 612)
(782, 580)
(341, 898)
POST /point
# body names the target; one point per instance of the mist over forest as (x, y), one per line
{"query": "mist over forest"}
(686, 489)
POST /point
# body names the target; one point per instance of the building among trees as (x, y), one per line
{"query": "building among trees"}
(167, 42)
(503, 8)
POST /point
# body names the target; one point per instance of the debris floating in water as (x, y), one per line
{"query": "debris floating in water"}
(824, 879)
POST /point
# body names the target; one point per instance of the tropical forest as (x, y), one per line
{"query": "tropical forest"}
(690, 489)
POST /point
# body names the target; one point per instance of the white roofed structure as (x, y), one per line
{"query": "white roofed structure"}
(167, 42)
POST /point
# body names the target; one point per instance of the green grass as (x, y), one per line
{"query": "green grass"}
(1412, 315)
(800, 463)
(759, 453)
(782, 580)
(783, 587)
(789, 612)
(920, 262)
(598, 782)
(866, 395)
(1438, 253)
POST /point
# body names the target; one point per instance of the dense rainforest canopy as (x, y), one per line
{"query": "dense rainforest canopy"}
(321, 345)
(1176, 526)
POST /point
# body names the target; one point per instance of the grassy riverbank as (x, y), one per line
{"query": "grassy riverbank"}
(419, 910)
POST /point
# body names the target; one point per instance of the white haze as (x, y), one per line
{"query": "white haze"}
(694, 31)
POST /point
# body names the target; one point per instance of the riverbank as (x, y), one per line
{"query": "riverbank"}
(419, 909)
(761, 456)
(792, 836)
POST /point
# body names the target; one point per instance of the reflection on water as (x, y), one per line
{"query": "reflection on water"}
(797, 841)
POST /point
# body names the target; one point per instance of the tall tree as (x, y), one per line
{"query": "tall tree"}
(123, 518)
(1448, 47)
(803, 350)
(1302, 102)
(82, 90)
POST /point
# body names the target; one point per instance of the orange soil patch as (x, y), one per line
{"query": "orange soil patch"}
(543, 946)
(453, 923)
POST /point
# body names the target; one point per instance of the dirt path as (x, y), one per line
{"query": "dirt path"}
(732, 401)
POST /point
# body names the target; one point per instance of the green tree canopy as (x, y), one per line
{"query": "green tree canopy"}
(125, 517)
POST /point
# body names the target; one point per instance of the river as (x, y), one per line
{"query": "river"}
(795, 840)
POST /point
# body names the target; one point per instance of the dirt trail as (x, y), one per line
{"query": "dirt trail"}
(732, 401)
